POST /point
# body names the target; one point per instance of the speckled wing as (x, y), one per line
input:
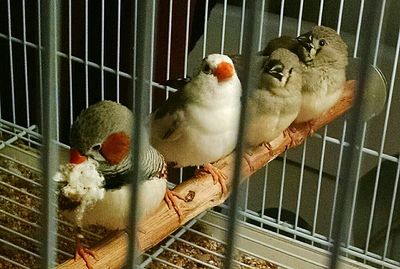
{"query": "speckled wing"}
(153, 164)
(167, 120)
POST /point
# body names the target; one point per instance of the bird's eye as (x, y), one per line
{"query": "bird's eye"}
(206, 69)
(96, 147)
(322, 42)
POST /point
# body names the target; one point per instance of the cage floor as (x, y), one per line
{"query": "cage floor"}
(20, 190)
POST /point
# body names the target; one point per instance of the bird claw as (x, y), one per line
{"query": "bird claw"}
(218, 177)
(172, 202)
(84, 253)
(269, 147)
(247, 156)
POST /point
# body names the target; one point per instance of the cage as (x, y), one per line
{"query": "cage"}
(58, 57)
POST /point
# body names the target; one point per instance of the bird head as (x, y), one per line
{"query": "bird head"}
(102, 132)
(278, 68)
(218, 65)
(322, 45)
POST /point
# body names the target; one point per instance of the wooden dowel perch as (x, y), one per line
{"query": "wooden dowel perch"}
(111, 252)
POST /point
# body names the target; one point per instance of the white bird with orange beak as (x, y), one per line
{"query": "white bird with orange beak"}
(199, 124)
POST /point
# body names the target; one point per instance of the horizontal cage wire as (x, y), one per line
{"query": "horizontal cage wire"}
(287, 211)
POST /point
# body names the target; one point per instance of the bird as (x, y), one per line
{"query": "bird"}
(276, 101)
(323, 56)
(286, 42)
(198, 125)
(102, 132)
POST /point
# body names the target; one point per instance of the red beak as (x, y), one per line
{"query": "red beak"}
(76, 157)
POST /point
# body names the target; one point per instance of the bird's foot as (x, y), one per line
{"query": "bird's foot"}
(269, 147)
(218, 176)
(310, 125)
(247, 156)
(172, 201)
(84, 253)
(289, 133)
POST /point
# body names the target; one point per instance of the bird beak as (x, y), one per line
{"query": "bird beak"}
(275, 69)
(75, 157)
(224, 71)
(306, 41)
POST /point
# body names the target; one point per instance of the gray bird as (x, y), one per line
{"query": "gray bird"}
(323, 54)
(198, 125)
(276, 102)
(102, 132)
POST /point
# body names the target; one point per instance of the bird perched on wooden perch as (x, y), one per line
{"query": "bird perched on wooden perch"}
(276, 102)
(323, 55)
(101, 134)
(198, 125)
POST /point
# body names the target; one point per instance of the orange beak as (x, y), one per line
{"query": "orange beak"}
(224, 71)
(76, 157)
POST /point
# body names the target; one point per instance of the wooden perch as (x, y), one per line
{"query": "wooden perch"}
(111, 252)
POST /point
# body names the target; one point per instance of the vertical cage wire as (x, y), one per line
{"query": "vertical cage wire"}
(11, 59)
(282, 188)
(281, 12)
(168, 67)
(26, 80)
(71, 96)
(248, 83)
(319, 184)
(185, 64)
(355, 140)
(382, 145)
(392, 206)
(86, 57)
(140, 102)
(223, 27)
(49, 152)
(321, 10)
(340, 16)
(242, 18)
(204, 49)
(102, 50)
(378, 37)
(300, 17)
(300, 188)
(360, 16)
(260, 33)
(118, 46)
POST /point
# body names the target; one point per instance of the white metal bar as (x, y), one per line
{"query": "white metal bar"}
(340, 16)
(392, 207)
(283, 177)
(13, 262)
(337, 181)
(10, 51)
(205, 29)
(172, 240)
(26, 80)
(382, 143)
(86, 53)
(360, 15)
(56, 88)
(281, 12)
(264, 196)
(152, 38)
(73, 58)
(118, 44)
(19, 248)
(39, 55)
(378, 37)
(71, 93)
(223, 26)
(260, 31)
(357, 180)
(102, 50)
(171, 4)
(300, 190)
(49, 151)
(243, 15)
(187, 39)
(321, 168)
(321, 10)
(300, 17)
